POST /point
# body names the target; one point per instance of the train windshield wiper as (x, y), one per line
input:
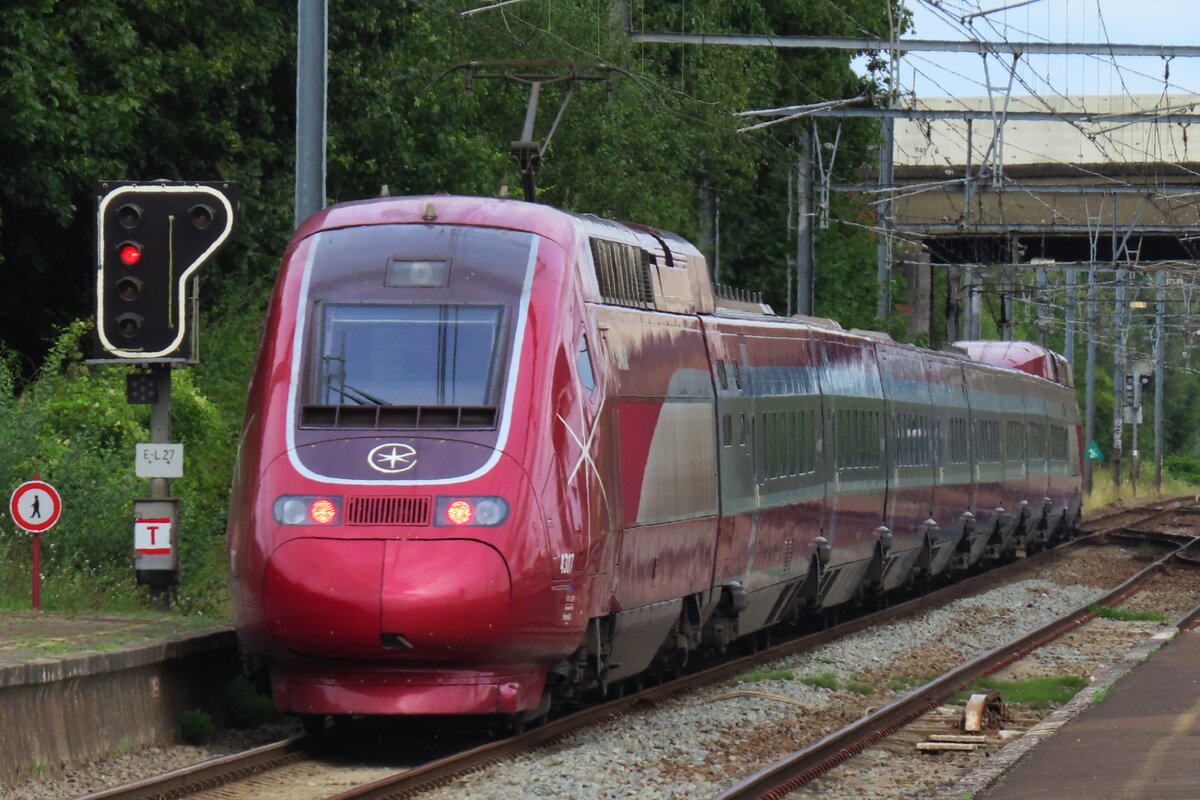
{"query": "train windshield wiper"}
(358, 395)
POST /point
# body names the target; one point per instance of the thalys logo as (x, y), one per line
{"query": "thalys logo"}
(392, 458)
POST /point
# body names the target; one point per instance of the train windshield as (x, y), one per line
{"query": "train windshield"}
(408, 355)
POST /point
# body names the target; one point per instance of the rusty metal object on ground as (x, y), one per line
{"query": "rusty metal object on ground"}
(984, 712)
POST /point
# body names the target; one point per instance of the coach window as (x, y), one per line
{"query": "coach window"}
(583, 363)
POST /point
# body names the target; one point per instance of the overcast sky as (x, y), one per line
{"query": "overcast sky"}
(1118, 21)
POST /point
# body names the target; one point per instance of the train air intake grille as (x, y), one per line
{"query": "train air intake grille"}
(388, 511)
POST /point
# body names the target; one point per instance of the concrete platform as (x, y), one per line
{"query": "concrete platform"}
(77, 688)
(1139, 741)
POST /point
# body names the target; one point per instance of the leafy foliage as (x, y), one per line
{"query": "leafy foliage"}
(148, 89)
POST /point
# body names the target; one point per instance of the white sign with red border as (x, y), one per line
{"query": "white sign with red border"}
(35, 506)
(152, 537)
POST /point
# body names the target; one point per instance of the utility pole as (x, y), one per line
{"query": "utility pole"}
(953, 302)
(1118, 360)
(1040, 308)
(1069, 340)
(1090, 377)
(883, 268)
(804, 223)
(1159, 377)
(312, 67)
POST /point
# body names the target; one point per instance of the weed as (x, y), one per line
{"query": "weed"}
(860, 688)
(196, 727)
(1043, 692)
(1101, 695)
(752, 675)
(1126, 614)
(245, 707)
(826, 680)
(902, 683)
(124, 746)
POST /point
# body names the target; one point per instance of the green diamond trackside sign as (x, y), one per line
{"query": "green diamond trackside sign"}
(1093, 452)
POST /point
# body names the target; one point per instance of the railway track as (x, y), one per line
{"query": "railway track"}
(785, 775)
(298, 760)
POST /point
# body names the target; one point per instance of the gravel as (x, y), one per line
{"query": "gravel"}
(129, 767)
(698, 745)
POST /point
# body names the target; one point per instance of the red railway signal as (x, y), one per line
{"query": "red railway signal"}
(151, 238)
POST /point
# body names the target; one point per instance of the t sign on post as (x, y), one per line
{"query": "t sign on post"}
(35, 506)
(155, 542)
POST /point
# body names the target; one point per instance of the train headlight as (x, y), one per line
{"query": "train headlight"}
(293, 509)
(490, 511)
(470, 511)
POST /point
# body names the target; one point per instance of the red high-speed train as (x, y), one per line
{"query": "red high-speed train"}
(496, 453)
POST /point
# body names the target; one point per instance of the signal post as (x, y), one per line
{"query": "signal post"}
(151, 240)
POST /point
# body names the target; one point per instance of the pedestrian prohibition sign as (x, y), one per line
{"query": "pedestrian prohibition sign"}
(35, 506)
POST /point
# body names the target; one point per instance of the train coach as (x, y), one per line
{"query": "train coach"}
(496, 453)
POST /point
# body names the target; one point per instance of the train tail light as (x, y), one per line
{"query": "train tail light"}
(470, 511)
(308, 510)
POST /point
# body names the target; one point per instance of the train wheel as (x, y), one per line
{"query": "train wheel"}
(313, 724)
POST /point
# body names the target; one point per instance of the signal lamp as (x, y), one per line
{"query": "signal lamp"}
(322, 511)
(128, 288)
(129, 253)
(202, 216)
(459, 512)
(129, 216)
(129, 325)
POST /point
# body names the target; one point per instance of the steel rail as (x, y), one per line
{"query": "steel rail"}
(787, 774)
(212, 773)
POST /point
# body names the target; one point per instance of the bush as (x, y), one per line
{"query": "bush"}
(245, 707)
(196, 727)
(71, 425)
(1183, 466)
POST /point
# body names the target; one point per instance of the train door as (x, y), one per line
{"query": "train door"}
(755, 431)
(1037, 447)
(1015, 492)
(735, 422)
(910, 425)
(857, 495)
(952, 455)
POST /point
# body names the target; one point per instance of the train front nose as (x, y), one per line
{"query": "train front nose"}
(409, 599)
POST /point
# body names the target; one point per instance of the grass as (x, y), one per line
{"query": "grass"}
(753, 675)
(1046, 692)
(902, 683)
(1101, 695)
(860, 688)
(1126, 614)
(1105, 492)
(826, 680)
